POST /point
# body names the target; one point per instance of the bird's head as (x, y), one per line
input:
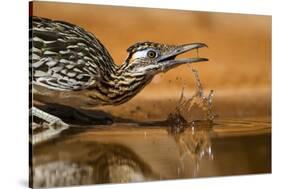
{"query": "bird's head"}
(145, 60)
(149, 58)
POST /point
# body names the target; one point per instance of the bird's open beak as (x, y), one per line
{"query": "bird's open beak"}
(169, 60)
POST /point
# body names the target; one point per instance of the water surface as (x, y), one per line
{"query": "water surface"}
(132, 153)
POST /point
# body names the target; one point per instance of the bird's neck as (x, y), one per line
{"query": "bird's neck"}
(120, 86)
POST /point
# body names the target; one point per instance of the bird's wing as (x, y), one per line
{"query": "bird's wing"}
(64, 56)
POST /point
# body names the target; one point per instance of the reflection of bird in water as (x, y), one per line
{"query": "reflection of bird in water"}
(96, 163)
(70, 66)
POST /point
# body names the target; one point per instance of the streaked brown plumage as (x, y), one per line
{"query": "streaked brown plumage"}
(70, 66)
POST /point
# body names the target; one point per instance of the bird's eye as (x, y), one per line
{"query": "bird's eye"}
(151, 54)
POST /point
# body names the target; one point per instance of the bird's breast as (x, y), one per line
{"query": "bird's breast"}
(75, 99)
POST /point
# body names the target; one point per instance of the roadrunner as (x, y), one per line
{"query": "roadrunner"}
(70, 66)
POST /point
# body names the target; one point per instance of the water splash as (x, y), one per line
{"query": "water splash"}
(205, 102)
(180, 118)
(195, 142)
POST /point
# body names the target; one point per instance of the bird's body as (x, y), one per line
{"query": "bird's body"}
(70, 66)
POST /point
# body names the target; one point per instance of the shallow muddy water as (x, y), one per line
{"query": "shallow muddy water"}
(133, 153)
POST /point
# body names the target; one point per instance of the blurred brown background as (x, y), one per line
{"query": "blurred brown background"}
(239, 45)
